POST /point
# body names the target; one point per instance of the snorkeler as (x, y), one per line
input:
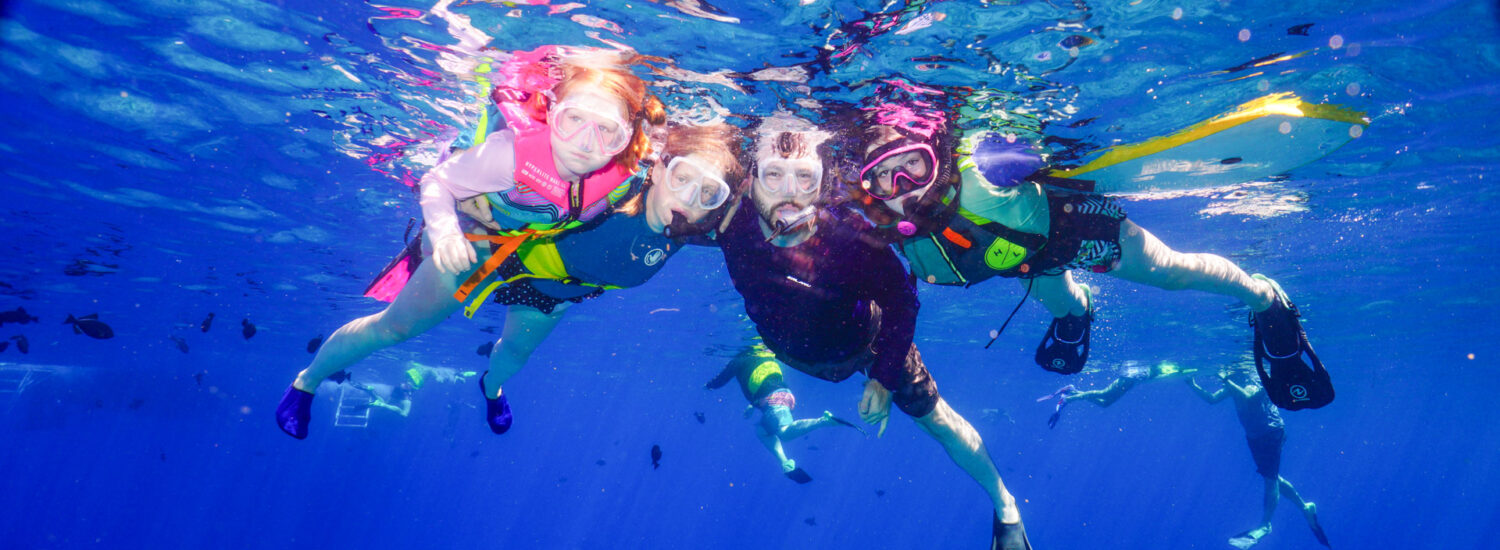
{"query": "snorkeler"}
(964, 213)
(538, 181)
(1131, 373)
(831, 300)
(685, 199)
(1266, 433)
(760, 380)
(395, 398)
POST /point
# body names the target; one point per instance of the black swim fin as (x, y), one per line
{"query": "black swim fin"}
(1066, 354)
(1280, 346)
(1009, 536)
(799, 475)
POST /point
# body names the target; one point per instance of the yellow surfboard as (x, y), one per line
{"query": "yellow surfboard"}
(1265, 137)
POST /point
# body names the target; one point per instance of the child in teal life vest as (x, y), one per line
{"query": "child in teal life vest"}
(963, 213)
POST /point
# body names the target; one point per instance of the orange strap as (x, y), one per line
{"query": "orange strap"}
(957, 239)
(508, 246)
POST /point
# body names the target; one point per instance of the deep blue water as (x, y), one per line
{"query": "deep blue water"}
(165, 159)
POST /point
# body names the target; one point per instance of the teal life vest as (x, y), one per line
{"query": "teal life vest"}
(970, 249)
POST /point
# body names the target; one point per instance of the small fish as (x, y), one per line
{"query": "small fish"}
(91, 326)
(207, 322)
(474, 454)
(181, 344)
(1299, 30)
(198, 376)
(135, 404)
(599, 462)
(1076, 41)
(18, 316)
(811, 521)
(699, 416)
(486, 348)
(879, 492)
(247, 328)
(340, 376)
(4, 345)
(164, 457)
(655, 456)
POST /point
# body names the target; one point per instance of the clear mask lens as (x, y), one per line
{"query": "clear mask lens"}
(787, 176)
(589, 129)
(696, 184)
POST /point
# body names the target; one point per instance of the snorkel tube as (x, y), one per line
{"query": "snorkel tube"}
(782, 226)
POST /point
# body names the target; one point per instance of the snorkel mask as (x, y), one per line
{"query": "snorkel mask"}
(696, 185)
(910, 166)
(589, 129)
(898, 168)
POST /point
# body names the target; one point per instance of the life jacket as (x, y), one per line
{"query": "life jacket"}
(506, 234)
(970, 249)
(613, 252)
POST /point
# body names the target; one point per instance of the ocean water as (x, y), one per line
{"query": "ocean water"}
(166, 159)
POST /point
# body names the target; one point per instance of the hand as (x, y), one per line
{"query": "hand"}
(875, 405)
(453, 254)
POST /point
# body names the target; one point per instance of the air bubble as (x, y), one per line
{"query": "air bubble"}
(1265, 85)
(1352, 89)
(1176, 14)
(1244, 35)
(1285, 128)
(1356, 130)
(1336, 42)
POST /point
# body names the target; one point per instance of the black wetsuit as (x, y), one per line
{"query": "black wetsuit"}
(836, 304)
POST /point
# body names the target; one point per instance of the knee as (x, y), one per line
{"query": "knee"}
(511, 353)
(388, 331)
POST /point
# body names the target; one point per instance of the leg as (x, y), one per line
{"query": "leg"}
(525, 329)
(773, 421)
(1268, 505)
(424, 302)
(966, 448)
(802, 427)
(1060, 294)
(1145, 259)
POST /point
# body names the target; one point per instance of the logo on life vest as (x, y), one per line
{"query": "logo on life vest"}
(1003, 255)
(655, 256)
(1298, 392)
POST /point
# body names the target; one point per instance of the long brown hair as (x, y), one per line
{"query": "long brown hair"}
(617, 81)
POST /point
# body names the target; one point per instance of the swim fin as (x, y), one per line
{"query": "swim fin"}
(1009, 536)
(1065, 347)
(496, 411)
(1248, 539)
(799, 475)
(1310, 511)
(1280, 345)
(294, 412)
(841, 421)
(393, 276)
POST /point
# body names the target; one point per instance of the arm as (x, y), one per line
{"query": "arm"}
(1247, 393)
(1210, 397)
(884, 280)
(488, 167)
